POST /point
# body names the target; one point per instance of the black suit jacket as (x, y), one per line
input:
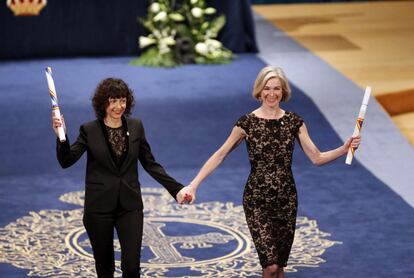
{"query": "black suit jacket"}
(105, 182)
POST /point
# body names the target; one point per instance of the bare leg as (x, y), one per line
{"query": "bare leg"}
(271, 271)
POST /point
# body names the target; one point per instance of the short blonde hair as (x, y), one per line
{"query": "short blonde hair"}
(268, 73)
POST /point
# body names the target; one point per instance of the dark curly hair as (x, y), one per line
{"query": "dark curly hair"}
(111, 88)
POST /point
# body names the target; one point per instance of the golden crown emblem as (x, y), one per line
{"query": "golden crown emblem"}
(26, 7)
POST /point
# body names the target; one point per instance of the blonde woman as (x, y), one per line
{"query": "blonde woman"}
(270, 198)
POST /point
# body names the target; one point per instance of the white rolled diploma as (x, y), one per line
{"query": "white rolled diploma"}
(359, 122)
(54, 100)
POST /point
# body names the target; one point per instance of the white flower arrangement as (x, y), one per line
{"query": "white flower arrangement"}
(204, 33)
(155, 7)
(197, 12)
(161, 16)
(187, 34)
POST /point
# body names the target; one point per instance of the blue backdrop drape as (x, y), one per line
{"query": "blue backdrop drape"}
(103, 27)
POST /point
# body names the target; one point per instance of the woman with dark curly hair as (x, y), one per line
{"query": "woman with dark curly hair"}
(114, 143)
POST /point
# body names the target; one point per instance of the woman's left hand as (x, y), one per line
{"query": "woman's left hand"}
(353, 141)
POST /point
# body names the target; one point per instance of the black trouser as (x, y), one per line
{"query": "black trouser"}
(100, 229)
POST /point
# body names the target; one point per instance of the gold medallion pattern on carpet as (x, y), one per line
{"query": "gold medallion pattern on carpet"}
(203, 240)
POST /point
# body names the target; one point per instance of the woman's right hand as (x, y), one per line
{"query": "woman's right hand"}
(56, 123)
(187, 195)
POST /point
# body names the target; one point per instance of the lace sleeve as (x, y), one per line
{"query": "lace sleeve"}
(243, 123)
(297, 122)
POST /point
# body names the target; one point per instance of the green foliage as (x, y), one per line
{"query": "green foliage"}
(217, 24)
(184, 34)
(153, 58)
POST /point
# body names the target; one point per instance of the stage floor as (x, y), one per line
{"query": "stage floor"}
(369, 42)
(362, 213)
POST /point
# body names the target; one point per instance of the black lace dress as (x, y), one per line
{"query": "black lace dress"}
(117, 140)
(270, 198)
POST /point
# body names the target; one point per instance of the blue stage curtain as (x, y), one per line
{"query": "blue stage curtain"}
(296, 1)
(238, 35)
(102, 27)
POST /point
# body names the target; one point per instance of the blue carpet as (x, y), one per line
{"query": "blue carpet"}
(188, 112)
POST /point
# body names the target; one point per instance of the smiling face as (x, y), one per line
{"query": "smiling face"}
(272, 93)
(267, 77)
(116, 108)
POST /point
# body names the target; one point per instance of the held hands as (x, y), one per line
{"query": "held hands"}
(186, 195)
(56, 123)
